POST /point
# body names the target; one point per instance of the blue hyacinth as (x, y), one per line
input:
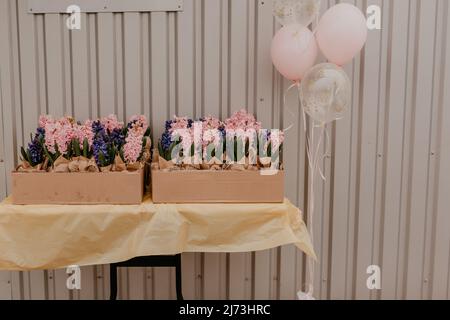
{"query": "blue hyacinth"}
(166, 140)
(97, 127)
(168, 124)
(131, 123)
(117, 137)
(100, 145)
(223, 131)
(35, 150)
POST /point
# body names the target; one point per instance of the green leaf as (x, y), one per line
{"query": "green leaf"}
(112, 154)
(160, 149)
(147, 132)
(121, 154)
(24, 154)
(29, 158)
(85, 148)
(48, 155)
(76, 147)
(101, 159)
(69, 151)
(169, 152)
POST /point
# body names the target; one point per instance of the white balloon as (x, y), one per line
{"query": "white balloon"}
(326, 93)
(303, 12)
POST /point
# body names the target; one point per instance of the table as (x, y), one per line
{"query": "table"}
(56, 236)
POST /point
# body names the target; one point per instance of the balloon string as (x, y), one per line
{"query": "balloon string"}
(314, 164)
(295, 84)
(308, 141)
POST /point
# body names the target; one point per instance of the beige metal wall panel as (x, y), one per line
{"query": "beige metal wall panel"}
(385, 200)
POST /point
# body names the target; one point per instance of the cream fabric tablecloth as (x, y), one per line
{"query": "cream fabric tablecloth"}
(55, 236)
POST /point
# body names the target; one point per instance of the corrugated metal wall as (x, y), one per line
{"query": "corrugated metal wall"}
(386, 200)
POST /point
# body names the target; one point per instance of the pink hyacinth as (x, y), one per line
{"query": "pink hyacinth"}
(179, 123)
(44, 119)
(59, 132)
(211, 133)
(133, 146)
(110, 123)
(133, 141)
(139, 123)
(84, 131)
(242, 120)
(277, 139)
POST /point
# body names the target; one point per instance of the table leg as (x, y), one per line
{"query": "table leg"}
(113, 281)
(178, 276)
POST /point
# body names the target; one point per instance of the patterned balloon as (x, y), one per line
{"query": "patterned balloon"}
(325, 93)
(302, 12)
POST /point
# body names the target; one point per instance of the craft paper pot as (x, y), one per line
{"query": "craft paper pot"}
(224, 186)
(78, 188)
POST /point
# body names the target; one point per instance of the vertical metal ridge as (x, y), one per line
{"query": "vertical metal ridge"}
(89, 63)
(63, 65)
(141, 63)
(177, 84)
(255, 59)
(229, 58)
(448, 275)
(379, 124)
(430, 215)
(124, 80)
(97, 68)
(194, 62)
(36, 63)
(202, 67)
(411, 149)
(20, 68)
(13, 102)
(247, 50)
(278, 273)
(358, 171)
(150, 81)
(403, 156)
(440, 106)
(330, 208)
(387, 104)
(114, 33)
(168, 97)
(71, 74)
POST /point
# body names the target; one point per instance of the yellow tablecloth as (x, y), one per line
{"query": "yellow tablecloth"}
(55, 236)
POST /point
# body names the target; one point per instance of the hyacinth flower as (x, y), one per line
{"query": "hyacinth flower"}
(213, 135)
(102, 148)
(135, 135)
(34, 154)
(173, 136)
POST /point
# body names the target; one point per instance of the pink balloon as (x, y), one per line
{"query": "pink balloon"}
(341, 33)
(294, 51)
